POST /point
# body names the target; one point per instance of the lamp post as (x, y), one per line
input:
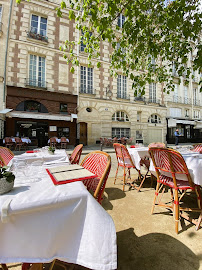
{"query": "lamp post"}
(108, 91)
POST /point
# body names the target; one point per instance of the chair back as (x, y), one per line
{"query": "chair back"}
(8, 140)
(99, 163)
(198, 148)
(18, 140)
(5, 155)
(63, 139)
(169, 163)
(53, 140)
(157, 144)
(123, 156)
(76, 154)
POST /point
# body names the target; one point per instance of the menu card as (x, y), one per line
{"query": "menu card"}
(69, 173)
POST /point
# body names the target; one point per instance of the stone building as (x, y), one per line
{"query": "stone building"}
(45, 96)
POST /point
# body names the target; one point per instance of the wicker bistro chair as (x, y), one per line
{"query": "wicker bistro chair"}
(169, 165)
(53, 142)
(63, 143)
(157, 144)
(197, 148)
(8, 142)
(124, 160)
(99, 163)
(76, 154)
(5, 156)
(19, 144)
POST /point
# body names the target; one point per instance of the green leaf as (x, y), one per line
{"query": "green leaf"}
(72, 69)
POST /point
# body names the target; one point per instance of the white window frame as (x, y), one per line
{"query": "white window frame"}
(36, 82)
(86, 82)
(121, 20)
(154, 119)
(195, 96)
(121, 86)
(176, 92)
(120, 132)
(39, 25)
(196, 114)
(152, 92)
(120, 116)
(185, 95)
(186, 112)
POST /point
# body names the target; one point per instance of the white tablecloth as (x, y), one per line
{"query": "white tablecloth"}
(47, 222)
(26, 140)
(60, 155)
(193, 161)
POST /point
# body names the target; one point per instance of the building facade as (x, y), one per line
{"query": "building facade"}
(46, 99)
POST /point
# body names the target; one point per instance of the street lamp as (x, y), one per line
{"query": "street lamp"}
(108, 91)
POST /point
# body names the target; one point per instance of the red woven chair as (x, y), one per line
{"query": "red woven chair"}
(8, 142)
(5, 156)
(99, 163)
(197, 148)
(124, 160)
(19, 144)
(157, 144)
(63, 143)
(76, 154)
(53, 142)
(169, 165)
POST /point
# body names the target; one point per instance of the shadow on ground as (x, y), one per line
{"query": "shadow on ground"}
(154, 251)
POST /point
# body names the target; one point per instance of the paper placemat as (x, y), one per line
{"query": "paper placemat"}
(67, 174)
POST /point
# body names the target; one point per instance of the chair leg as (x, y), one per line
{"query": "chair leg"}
(4, 266)
(116, 174)
(124, 178)
(176, 211)
(155, 197)
(199, 200)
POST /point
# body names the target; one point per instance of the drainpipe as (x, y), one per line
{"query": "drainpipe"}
(6, 54)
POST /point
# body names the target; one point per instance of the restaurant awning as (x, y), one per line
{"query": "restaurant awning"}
(5, 111)
(185, 122)
(198, 125)
(42, 116)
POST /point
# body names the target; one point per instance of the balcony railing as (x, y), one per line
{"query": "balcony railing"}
(196, 102)
(139, 99)
(177, 99)
(84, 90)
(123, 96)
(148, 100)
(34, 35)
(35, 83)
(187, 100)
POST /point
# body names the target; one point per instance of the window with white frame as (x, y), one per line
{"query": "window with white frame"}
(195, 96)
(38, 25)
(175, 112)
(120, 116)
(175, 96)
(86, 80)
(83, 46)
(121, 132)
(186, 112)
(197, 114)
(37, 71)
(185, 95)
(121, 87)
(154, 118)
(152, 92)
(121, 20)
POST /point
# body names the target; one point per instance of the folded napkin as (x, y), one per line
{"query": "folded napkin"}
(133, 146)
(32, 151)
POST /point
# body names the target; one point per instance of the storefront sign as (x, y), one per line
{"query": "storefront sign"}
(52, 128)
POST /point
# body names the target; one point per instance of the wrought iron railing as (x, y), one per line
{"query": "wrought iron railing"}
(196, 102)
(123, 96)
(35, 83)
(147, 100)
(139, 99)
(34, 35)
(177, 99)
(187, 100)
(84, 90)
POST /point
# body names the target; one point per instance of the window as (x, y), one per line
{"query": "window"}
(175, 112)
(187, 113)
(196, 114)
(38, 25)
(121, 86)
(154, 118)
(174, 72)
(83, 46)
(185, 95)
(121, 20)
(138, 134)
(120, 132)
(138, 116)
(63, 131)
(152, 92)
(63, 108)
(37, 71)
(120, 116)
(195, 96)
(86, 83)
(175, 96)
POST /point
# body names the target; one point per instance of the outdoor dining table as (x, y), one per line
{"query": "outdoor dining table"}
(41, 222)
(192, 159)
(59, 140)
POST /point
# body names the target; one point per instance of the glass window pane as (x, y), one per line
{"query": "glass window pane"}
(34, 24)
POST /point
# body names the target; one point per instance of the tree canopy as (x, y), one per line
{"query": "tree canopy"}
(149, 39)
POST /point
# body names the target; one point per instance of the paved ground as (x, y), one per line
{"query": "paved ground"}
(147, 241)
